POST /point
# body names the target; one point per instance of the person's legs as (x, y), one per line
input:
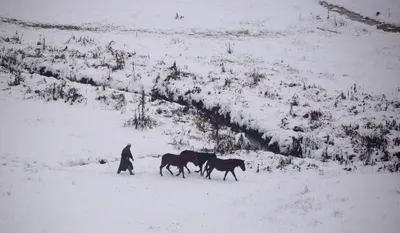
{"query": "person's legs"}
(130, 168)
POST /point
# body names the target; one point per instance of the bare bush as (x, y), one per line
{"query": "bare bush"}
(119, 56)
(60, 91)
(396, 141)
(309, 143)
(255, 77)
(116, 99)
(141, 119)
(225, 143)
(271, 94)
(390, 167)
(140, 123)
(229, 48)
(82, 40)
(228, 82)
(314, 115)
(16, 39)
(284, 162)
(179, 142)
(175, 73)
(351, 130)
(223, 68)
(325, 156)
(11, 60)
(242, 143)
(16, 79)
(375, 140)
(201, 124)
(339, 22)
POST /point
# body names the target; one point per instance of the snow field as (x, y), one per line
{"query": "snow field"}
(51, 179)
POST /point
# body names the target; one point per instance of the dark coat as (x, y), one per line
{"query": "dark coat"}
(202, 157)
(125, 156)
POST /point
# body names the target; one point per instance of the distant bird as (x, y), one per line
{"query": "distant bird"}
(378, 13)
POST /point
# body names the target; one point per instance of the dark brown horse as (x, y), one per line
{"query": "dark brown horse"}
(202, 158)
(224, 165)
(177, 161)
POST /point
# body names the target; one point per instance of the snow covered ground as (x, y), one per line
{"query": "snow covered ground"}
(273, 66)
(93, 198)
(142, 14)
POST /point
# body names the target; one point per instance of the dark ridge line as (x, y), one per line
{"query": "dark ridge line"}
(387, 27)
(226, 120)
(50, 26)
(193, 32)
(83, 80)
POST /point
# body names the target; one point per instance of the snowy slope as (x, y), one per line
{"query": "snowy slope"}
(51, 179)
(389, 9)
(160, 15)
(40, 192)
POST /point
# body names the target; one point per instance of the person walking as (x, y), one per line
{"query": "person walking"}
(125, 164)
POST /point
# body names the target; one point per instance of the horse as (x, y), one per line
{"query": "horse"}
(226, 165)
(202, 158)
(177, 161)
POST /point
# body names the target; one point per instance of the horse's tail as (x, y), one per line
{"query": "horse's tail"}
(163, 158)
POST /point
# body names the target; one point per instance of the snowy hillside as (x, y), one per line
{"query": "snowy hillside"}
(388, 9)
(309, 98)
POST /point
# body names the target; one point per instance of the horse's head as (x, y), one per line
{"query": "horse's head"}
(242, 165)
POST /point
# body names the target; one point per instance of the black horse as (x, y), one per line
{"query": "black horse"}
(202, 158)
(177, 161)
(225, 165)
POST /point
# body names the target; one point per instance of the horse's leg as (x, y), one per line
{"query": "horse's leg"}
(169, 169)
(161, 167)
(187, 168)
(180, 171)
(200, 168)
(183, 172)
(206, 169)
(203, 168)
(209, 173)
(225, 174)
(233, 173)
